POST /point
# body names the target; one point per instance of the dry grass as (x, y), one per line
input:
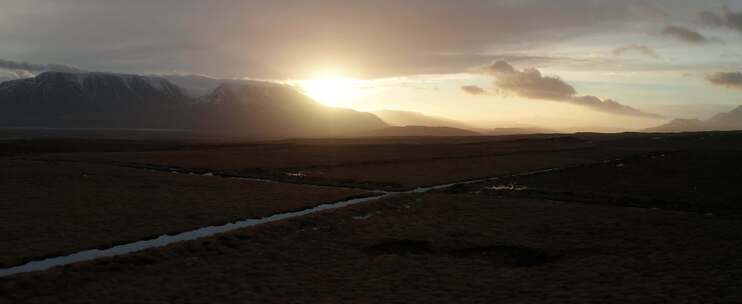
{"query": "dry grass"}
(702, 181)
(308, 155)
(430, 249)
(392, 166)
(49, 208)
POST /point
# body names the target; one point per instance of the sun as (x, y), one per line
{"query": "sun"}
(332, 89)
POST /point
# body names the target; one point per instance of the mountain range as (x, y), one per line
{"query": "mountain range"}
(245, 108)
(105, 100)
(728, 121)
(56, 99)
(414, 121)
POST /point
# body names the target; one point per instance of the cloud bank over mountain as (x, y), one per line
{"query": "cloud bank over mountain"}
(10, 70)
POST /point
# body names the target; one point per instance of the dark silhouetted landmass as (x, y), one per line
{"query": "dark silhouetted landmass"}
(93, 100)
(408, 118)
(518, 131)
(102, 100)
(273, 110)
(421, 131)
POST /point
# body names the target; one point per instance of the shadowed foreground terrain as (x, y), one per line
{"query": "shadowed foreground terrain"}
(645, 218)
(429, 248)
(697, 180)
(52, 208)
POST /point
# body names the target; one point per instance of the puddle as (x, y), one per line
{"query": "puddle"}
(363, 217)
(509, 187)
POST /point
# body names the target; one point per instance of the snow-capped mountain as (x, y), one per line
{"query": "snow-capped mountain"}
(104, 100)
(57, 99)
(276, 110)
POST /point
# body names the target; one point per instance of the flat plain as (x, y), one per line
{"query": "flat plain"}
(435, 248)
(645, 218)
(392, 164)
(53, 208)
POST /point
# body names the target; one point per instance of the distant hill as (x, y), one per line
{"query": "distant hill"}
(595, 129)
(418, 131)
(105, 100)
(408, 118)
(721, 122)
(518, 131)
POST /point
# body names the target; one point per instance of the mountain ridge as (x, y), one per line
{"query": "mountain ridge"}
(727, 121)
(108, 100)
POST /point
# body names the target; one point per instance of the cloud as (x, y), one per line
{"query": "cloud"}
(8, 74)
(12, 70)
(641, 49)
(711, 19)
(684, 34)
(728, 18)
(293, 39)
(31, 67)
(473, 90)
(733, 19)
(531, 84)
(731, 80)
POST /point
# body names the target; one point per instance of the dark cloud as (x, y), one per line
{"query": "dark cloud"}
(711, 19)
(732, 80)
(684, 34)
(641, 49)
(727, 18)
(294, 38)
(733, 19)
(474, 90)
(530, 83)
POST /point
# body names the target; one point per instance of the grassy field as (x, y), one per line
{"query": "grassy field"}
(390, 165)
(700, 180)
(435, 248)
(645, 218)
(50, 208)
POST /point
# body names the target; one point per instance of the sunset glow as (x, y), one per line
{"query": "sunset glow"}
(332, 89)
(367, 151)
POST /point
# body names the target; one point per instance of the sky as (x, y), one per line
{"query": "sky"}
(559, 64)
